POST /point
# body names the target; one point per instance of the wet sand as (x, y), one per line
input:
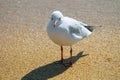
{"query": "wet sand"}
(27, 53)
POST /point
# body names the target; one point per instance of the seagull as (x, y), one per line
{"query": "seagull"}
(66, 31)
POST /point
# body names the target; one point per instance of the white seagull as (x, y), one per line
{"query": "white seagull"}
(66, 31)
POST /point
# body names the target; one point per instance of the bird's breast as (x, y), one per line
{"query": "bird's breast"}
(60, 35)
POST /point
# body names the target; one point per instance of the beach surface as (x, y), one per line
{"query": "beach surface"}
(27, 53)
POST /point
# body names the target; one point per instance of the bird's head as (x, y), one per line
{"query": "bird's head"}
(56, 17)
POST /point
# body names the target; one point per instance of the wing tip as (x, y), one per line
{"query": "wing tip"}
(90, 28)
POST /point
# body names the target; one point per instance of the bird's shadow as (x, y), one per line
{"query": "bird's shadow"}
(50, 70)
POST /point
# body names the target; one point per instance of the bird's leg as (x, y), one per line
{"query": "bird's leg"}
(69, 64)
(71, 55)
(60, 61)
(61, 54)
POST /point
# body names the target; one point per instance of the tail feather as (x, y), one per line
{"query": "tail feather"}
(91, 28)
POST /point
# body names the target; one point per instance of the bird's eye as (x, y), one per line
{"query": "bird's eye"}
(52, 18)
(59, 19)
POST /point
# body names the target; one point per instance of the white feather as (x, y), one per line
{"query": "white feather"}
(67, 31)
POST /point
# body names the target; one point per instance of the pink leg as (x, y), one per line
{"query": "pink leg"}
(61, 54)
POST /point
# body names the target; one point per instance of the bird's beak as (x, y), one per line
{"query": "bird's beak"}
(54, 23)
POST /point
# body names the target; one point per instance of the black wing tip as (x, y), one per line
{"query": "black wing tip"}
(90, 28)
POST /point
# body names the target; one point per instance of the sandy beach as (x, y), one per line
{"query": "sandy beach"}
(27, 53)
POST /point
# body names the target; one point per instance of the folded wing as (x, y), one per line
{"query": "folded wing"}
(78, 30)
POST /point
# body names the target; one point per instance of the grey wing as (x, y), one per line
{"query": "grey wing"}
(75, 32)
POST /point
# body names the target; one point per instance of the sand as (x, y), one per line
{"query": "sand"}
(27, 53)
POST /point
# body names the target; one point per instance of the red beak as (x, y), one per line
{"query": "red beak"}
(54, 23)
